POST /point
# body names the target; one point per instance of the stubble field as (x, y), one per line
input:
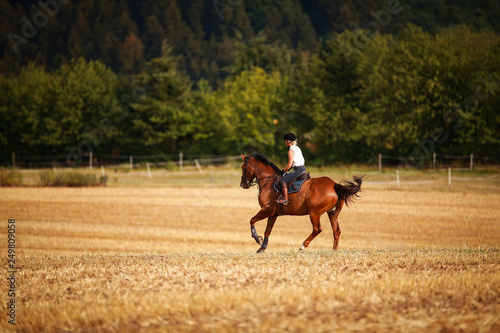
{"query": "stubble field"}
(180, 259)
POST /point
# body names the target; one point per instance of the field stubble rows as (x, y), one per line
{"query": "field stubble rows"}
(182, 259)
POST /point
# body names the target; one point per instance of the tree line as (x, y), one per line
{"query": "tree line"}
(359, 93)
(124, 35)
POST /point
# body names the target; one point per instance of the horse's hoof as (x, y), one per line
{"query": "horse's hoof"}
(302, 248)
(259, 240)
(261, 250)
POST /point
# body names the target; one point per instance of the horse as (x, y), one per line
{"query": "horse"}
(316, 197)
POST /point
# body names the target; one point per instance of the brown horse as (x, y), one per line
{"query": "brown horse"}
(316, 197)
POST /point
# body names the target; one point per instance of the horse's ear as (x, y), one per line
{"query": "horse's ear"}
(243, 157)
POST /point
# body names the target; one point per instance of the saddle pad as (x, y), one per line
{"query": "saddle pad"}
(297, 184)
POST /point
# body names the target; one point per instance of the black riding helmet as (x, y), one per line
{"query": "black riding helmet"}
(290, 137)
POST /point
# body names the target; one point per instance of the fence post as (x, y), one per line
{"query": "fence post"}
(90, 160)
(449, 178)
(471, 161)
(434, 161)
(180, 161)
(149, 170)
(198, 166)
(131, 162)
(379, 162)
(14, 160)
(397, 178)
(102, 170)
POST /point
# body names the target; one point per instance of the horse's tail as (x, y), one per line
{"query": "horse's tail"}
(350, 191)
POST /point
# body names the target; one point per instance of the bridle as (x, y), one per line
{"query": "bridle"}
(254, 180)
(245, 178)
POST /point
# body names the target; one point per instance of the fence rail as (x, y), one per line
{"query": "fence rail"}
(434, 161)
(120, 161)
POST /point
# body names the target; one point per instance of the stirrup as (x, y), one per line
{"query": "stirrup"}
(282, 201)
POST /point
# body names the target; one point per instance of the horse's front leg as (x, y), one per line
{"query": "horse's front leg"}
(269, 228)
(262, 214)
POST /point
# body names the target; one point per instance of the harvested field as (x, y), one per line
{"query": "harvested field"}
(182, 259)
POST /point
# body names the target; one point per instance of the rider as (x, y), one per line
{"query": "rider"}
(296, 161)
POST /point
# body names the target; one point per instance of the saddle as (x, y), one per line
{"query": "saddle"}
(295, 185)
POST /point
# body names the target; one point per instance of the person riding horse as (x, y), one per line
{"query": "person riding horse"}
(296, 161)
(317, 196)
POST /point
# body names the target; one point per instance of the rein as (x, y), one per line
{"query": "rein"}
(258, 180)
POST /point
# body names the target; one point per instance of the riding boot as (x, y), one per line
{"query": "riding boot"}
(284, 196)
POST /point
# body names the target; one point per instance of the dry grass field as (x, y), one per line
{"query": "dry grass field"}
(181, 259)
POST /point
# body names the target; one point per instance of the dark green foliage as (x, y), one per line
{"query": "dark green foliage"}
(236, 75)
(164, 116)
(407, 96)
(243, 115)
(125, 34)
(42, 112)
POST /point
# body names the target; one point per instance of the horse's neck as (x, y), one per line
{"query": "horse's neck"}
(265, 171)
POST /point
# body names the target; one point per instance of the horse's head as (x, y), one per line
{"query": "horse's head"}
(247, 173)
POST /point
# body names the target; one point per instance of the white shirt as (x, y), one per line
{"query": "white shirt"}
(298, 158)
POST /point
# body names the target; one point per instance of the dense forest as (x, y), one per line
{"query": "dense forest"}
(352, 78)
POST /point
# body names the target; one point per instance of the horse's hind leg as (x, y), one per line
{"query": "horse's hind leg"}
(334, 221)
(315, 221)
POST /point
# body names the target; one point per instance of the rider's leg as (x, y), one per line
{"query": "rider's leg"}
(283, 199)
(289, 177)
(284, 190)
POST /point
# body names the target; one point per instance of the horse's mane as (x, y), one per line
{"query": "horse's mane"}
(262, 158)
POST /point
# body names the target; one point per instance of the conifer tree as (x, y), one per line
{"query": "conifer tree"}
(163, 118)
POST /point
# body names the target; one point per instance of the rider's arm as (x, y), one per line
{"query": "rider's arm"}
(291, 153)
